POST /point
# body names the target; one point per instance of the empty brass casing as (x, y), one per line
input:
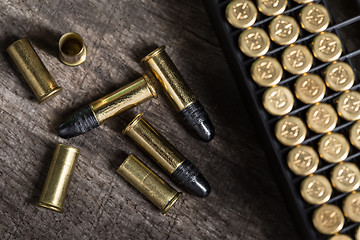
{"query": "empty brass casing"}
(33, 69)
(155, 144)
(72, 50)
(58, 178)
(122, 99)
(148, 183)
(170, 78)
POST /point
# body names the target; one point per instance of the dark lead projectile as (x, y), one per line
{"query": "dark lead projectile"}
(182, 171)
(180, 94)
(105, 108)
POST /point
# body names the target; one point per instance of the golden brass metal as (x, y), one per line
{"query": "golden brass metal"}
(310, 88)
(357, 233)
(266, 71)
(254, 42)
(153, 187)
(123, 99)
(339, 76)
(327, 47)
(340, 237)
(316, 189)
(354, 134)
(174, 85)
(345, 177)
(314, 18)
(348, 105)
(278, 100)
(333, 147)
(328, 219)
(58, 178)
(241, 13)
(290, 131)
(271, 8)
(284, 30)
(72, 50)
(153, 143)
(321, 118)
(351, 206)
(303, 1)
(297, 59)
(33, 70)
(303, 160)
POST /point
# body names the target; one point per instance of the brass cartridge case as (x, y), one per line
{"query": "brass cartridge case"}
(58, 178)
(153, 187)
(156, 145)
(33, 70)
(72, 50)
(123, 99)
(170, 78)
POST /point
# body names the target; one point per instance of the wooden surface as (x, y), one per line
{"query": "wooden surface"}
(245, 202)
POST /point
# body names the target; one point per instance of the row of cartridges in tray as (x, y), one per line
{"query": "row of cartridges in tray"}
(321, 118)
(72, 52)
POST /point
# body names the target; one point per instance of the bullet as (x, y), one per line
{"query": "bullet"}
(105, 108)
(72, 50)
(328, 219)
(333, 147)
(266, 71)
(179, 93)
(314, 18)
(321, 118)
(303, 160)
(146, 181)
(284, 30)
(271, 8)
(33, 70)
(310, 88)
(345, 177)
(278, 100)
(327, 47)
(241, 13)
(58, 179)
(254, 42)
(316, 189)
(182, 171)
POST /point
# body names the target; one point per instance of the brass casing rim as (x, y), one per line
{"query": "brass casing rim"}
(48, 96)
(49, 206)
(69, 147)
(82, 51)
(19, 40)
(150, 85)
(132, 123)
(171, 203)
(153, 54)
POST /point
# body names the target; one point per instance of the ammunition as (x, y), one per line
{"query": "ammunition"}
(284, 30)
(303, 160)
(345, 177)
(151, 185)
(348, 105)
(297, 59)
(72, 50)
(357, 233)
(333, 147)
(182, 171)
(241, 13)
(354, 134)
(327, 47)
(310, 88)
(290, 131)
(271, 8)
(351, 206)
(58, 178)
(278, 100)
(180, 94)
(316, 189)
(321, 118)
(328, 219)
(339, 76)
(314, 18)
(340, 237)
(303, 1)
(266, 71)
(33, 70)
(105, 108)
(254, 42)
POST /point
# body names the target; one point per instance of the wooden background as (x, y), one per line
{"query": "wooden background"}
(245, 202)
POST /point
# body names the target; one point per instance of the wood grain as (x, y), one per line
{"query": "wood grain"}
(245, 202)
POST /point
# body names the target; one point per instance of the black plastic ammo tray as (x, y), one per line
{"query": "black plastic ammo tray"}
(252, 93)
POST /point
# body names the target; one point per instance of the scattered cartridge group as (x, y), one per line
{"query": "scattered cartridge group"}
(307, 93)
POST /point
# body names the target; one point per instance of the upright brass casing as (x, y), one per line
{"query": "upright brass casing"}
(72, 50)
(174, 85)
(156, 145)
(58, 178)
(148, 183)
(122, 99)
(33, 70)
